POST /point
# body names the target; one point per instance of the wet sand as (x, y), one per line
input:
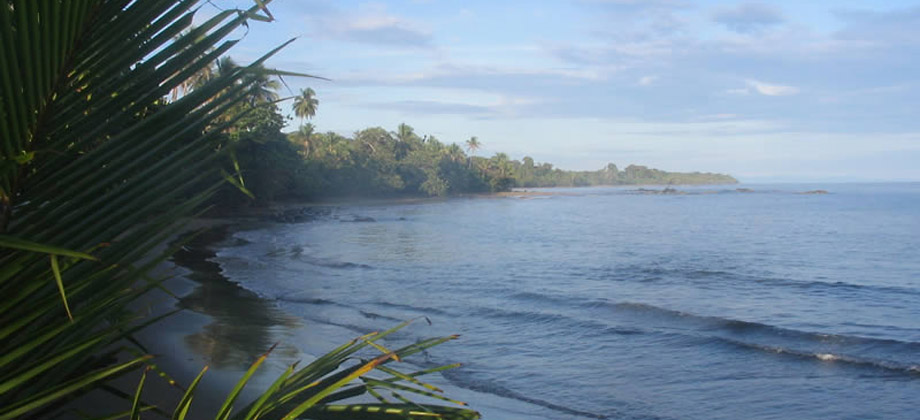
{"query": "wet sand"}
(218, 324)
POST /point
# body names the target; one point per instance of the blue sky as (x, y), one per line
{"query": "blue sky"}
(766, 91)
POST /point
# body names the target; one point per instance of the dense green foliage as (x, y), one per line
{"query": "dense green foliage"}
(377, 162)
(530, 174)
(97, 170)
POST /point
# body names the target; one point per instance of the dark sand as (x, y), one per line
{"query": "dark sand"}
(219, 324)
(216, 323)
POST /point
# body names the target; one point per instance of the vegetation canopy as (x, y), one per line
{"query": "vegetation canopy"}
(377, 162)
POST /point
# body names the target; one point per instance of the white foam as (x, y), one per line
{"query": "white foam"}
(827, 356)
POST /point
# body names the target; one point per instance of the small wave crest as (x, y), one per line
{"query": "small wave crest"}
(831, 358)
(652, 274)
(298, 253)
(330, 263)
(534, 318)
(326, 302)
(883, 353)
(748, 326)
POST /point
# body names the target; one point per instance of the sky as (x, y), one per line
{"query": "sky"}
(766, 91)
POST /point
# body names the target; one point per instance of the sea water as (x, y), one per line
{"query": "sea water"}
(714, 303)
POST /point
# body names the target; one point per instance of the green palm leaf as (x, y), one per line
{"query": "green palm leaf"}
(91, 154)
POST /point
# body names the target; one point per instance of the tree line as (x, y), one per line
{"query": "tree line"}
(375, 162)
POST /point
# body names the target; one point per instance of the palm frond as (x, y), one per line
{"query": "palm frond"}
(96, 170)
(96, 167)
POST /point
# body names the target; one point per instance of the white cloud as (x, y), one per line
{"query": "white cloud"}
(453, 74)
(370, 24)
(771, 89)
(647, 80)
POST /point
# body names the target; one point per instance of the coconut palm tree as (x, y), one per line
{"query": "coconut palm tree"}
(261, 89)
(226, 65)
(501, 163)
(199, 78)
(404, 132)
(195, 81)
(305, 104)
(304, 137)
(472, 145)
(454, 152)
(264, 88)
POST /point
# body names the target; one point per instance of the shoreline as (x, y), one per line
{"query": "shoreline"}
(273, 208)
(297, 211)
(333, 201)
(217, 323)
(225, 326)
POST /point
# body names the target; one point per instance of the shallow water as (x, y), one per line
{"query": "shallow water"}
(598, 303)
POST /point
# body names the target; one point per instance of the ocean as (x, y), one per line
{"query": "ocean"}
(714, 303)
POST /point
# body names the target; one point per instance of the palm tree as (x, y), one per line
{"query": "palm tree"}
(199, 78)
(264, 88)
(501, 163)
(454, 152)
(226, 65)
(473, 144)
(305, 104)
(305, 137)
(404, 132)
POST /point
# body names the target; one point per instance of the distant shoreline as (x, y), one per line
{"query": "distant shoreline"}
(296, 210)
(400, 198)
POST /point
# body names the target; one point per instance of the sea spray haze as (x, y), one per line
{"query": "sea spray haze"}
(609, 302)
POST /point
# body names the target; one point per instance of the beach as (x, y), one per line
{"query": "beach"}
(215, 323)
(221, 325)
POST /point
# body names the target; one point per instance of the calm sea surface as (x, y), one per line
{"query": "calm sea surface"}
(605, 303)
